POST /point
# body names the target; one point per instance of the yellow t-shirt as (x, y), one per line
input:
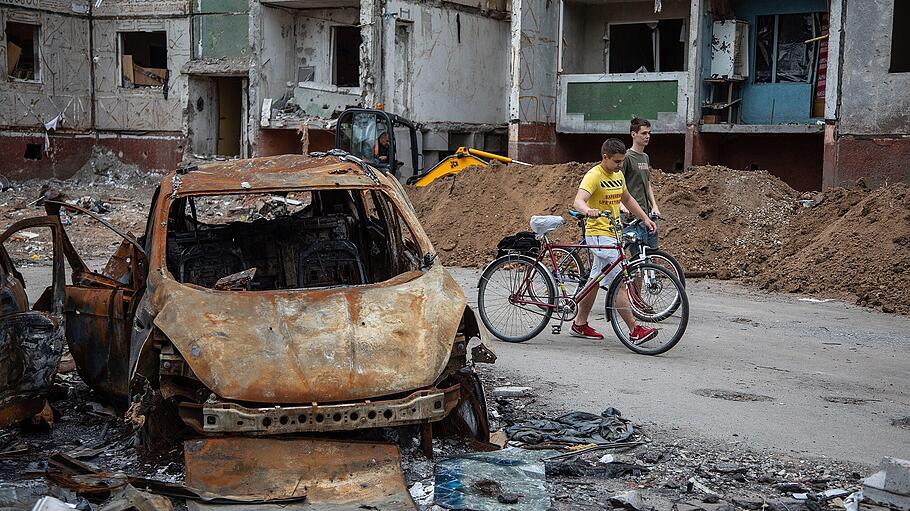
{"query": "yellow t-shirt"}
(606, 193)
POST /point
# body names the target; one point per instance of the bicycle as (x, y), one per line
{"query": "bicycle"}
(517, 295)
(575, 267)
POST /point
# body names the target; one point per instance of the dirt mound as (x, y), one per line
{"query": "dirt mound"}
(466, 214)
(722, 222)
(851, 244)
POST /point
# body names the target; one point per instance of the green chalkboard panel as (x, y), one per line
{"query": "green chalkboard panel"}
(619, 101)
(221, 6)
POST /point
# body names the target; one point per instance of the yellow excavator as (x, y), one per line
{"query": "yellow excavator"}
(369, 134)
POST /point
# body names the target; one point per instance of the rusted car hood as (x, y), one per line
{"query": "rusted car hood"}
(321, 345)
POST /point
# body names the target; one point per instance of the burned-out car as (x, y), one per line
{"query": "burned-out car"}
(278, 295)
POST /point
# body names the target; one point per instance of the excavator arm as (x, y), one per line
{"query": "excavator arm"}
(463, 158)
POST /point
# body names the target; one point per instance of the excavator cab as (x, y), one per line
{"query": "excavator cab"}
(371, 136)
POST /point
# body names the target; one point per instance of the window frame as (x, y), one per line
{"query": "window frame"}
(37, 50)
(655, 42)
(810, 79)
(120, 47)
(333, 45)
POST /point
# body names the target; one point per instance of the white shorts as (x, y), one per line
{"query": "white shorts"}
(603, 257)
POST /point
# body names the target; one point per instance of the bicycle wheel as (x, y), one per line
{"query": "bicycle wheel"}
(650, 302)
(515, 277)
(661, 258)
(667, 296)
(571, 269)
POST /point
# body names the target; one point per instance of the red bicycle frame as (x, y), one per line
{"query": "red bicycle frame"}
(546, 249)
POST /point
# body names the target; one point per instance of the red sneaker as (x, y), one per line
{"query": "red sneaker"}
(585, 331)
(641, 334)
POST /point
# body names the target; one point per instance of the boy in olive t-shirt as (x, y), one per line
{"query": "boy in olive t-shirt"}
(603, 189)
(636, 168)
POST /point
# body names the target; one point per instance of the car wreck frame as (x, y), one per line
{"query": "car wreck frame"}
(273, 362)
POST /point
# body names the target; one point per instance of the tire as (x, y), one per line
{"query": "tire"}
(671, 323)
(507, 321)
(661, 258)
(571, 268)
(649, 284)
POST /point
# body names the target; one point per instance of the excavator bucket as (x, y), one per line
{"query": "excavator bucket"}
(298, 473)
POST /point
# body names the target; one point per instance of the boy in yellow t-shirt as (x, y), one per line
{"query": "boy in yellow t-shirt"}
(602, 189)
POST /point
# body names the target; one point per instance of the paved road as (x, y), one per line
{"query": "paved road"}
(836, 375)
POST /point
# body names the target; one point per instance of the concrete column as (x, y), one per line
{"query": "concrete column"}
(254, 101)
(691, 133)
(371, 16)
(829, 163)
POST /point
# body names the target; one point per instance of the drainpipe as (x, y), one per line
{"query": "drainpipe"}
(91, 67)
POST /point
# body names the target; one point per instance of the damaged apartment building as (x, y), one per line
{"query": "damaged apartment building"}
(813, 90)
(158, 81)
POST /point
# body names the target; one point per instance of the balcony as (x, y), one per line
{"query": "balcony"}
(604, 103)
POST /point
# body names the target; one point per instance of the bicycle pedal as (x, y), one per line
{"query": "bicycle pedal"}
(557, 329)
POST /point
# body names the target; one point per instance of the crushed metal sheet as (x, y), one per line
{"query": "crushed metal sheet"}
(329, 474)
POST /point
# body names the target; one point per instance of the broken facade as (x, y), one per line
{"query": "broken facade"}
(741, 83)
(160, 81)
(87, 76)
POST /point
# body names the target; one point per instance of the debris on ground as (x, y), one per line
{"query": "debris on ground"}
(890, 486)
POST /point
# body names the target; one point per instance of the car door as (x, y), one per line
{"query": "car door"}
(99, 309)
(31, 339)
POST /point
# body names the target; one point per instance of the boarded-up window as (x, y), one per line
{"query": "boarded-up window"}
(655, 46)
(900, 38)
(143, 59)
(346, 56)
(782, 53)
(23, 53)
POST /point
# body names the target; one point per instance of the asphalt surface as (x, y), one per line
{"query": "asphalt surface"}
(832, 377)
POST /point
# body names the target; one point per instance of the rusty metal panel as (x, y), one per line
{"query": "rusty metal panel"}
(329, 474)
(31, 344)
(422, 406)
(324, 345)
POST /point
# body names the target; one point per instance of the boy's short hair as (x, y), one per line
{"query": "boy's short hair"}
(637, 124)
(612, 146)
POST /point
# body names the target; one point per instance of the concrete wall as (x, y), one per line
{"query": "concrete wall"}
(65, 78)
(873, 101)
(460, 63)
(277, 42)
(146, 108)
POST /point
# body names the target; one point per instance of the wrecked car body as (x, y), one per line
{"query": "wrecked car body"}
(279, 295)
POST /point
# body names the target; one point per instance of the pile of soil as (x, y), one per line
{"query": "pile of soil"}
(466, 214)
(852, 244)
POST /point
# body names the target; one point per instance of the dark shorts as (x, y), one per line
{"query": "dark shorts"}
(649, 238)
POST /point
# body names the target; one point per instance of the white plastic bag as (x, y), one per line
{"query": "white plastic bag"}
(543, 224)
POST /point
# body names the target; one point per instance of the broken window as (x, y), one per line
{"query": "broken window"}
(143, 59)
(23, 54)
(783, 51)
(346, 56)
(900, 38)
(658, 46)
(296, 240)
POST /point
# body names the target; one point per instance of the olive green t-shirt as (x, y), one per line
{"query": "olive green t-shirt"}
(636, 168)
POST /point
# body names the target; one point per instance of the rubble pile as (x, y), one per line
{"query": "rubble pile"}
(846, 243)
(119, 193)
